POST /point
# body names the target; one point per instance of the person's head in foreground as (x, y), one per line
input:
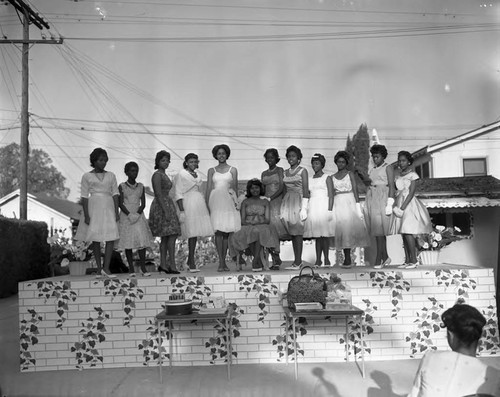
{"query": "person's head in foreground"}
(464, 325)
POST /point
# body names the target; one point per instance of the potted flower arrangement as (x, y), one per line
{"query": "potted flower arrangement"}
(65, 254)
(429, 245)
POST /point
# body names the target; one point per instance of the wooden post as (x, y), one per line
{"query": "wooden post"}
(24, 144)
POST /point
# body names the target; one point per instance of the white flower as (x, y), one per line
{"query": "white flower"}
(425, 245)
(440, 228)
(457, 229)
(434, 244)
(438, 237)
(432, 234)
(65, 262)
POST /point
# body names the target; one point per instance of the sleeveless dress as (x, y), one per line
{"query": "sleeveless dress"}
(266, 234)
(271, 184)
(223, 213)
(187, 188)
(103, 226)
(415, 219)
(377, 222)
(164, 224)
(136, 235)
(292, 201)
(350, 229)
(317, 223)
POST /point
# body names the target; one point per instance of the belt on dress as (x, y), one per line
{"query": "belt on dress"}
(343, 192)
(379, 185)
(101, 194)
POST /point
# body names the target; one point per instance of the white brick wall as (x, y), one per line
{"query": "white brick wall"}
(321, 343)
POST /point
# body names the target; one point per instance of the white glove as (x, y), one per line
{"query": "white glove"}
(182, 217)
(133, 217)
(303, 209)
(330, 215)
(359, 211)
(398, 212)
(388, 206)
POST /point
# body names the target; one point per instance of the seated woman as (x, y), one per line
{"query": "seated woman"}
(256, 231)
(457, 372)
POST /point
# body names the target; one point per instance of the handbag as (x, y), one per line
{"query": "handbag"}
(306, 288)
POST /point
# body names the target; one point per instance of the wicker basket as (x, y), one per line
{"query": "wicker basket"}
(78, 268)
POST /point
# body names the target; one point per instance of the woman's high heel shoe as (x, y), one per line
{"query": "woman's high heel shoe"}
(161, 269)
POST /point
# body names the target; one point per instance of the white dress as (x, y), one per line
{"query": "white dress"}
(103, 226)
(133, 235)
(223, 213)
(318, 223)
(187, 188)
(350, 229)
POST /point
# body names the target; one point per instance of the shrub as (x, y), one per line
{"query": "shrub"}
(24, 253)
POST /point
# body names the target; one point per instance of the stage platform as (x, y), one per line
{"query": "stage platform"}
(82, 322)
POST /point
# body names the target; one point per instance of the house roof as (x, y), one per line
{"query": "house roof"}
(485, 129)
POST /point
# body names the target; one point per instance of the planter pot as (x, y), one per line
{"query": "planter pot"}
(78, 268)
(429, 257)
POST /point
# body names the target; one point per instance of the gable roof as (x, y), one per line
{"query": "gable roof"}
(485, 129)
(465, 186)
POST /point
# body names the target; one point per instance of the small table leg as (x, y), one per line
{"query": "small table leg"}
(159, 326)
(295, 348)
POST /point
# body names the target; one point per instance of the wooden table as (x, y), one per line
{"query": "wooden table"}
(347, 312)
(221, 316)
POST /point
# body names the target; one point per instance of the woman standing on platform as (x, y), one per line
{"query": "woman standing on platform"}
(222, 199)
(272, 179)
(100, 210)
(294, 205)
(379, 202)
(410, 216)
(256, 233)
(194, 216)
(350, 229)
(163, 219)
(320, 221)
(134, 229)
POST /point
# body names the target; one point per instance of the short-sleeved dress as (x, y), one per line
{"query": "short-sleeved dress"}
(103, 226)
(271, 184)
(133, 235)
(318, 222)
(377, 222)
(187, 189)
(415, 219)
(266, 234)
(292, 201)
(223, 213)
(350, 229)
(164, 223)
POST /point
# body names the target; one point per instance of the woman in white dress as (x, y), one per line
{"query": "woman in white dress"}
(100, 211)
(134, 229)
(194, 216)
(222, 201)
(320, 224)
(350, 229)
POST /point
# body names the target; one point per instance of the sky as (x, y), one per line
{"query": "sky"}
(140, 76)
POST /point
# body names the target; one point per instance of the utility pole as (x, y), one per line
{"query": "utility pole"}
(28, 17)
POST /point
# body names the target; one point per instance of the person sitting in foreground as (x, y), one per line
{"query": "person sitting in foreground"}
(458, 372)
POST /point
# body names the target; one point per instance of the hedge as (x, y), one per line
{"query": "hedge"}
(24, 253)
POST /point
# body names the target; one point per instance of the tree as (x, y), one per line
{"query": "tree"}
(359, 149)
(43, 177)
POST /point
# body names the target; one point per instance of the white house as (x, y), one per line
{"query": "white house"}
(60, 215)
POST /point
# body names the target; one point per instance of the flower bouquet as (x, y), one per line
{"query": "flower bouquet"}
(63, 251)
(430, 244)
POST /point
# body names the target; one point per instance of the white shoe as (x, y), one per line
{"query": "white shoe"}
(132, 275)
(194, 270)
(387, 262)
(106, 275)
(146, 274)
(403, 266)
(411, 265)
(293, 266)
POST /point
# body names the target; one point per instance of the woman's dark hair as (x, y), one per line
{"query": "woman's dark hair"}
(342, 154)
(274, 153)
(159, 156)
(96, 153)
(255, 182)
(223, 146)
(188, 157)
(295, 150)
(129, 165)
(319, 157)
(379, 149)
(465, 322)
(408, 156)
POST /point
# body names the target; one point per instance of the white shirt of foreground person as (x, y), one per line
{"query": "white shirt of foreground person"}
(450, 374)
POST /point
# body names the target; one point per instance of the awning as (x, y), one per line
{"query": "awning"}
(460, 202)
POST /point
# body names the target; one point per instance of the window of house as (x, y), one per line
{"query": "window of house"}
(474, 167)
(423, 170)
(453, 218)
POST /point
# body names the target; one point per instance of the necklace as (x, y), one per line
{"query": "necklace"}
(193, 174)
(131, 186)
